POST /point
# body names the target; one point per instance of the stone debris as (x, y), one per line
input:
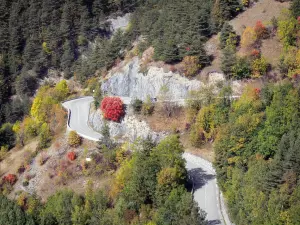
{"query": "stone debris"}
(130, 128)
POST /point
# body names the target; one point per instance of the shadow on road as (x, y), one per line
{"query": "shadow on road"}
(199, 177)
(214, 222)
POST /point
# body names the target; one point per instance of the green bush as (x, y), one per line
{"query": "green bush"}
(148, 107)
(25, 183)
(242, 69)
(44, 136)
(137, 105)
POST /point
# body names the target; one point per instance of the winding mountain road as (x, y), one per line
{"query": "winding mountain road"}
(206, 192)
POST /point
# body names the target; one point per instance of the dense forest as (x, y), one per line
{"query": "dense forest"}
(40, 35)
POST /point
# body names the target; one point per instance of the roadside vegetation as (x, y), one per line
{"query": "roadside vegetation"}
(148, 188)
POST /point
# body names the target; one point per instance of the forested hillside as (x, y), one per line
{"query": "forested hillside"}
(40, 35)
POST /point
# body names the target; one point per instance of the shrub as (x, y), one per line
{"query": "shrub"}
(74, 139)
(25, 183)
(71, 156)
(148, 107)
(7, 136)
(10, 178)
(227, 29)
(21, 169)
(44, 136)
(255, 53)
(259, 67)
(287, 29)
(242, 69)
(3, 152)
(191, 65)
(137, 105)
(260, 30)
(112, 107)
(30, 127)
(43, 158)
(245, 3)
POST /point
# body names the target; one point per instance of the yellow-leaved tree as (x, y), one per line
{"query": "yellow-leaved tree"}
(123, 175)
(249, 37)
(41, 108)
(61, 90)
(288, 28)
(191, 65)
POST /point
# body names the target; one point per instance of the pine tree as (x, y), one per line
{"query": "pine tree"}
(170, 53)
(31, 52)
(196, 49)
(226, 30)
(115, 47)
(85, 23)
(4, 19)
(66, 25)
(295, 8)
(16, 38)
(34, 19)
(4, 81)
(228, 60)
(224, 10)
(203, 22)
(68, 55)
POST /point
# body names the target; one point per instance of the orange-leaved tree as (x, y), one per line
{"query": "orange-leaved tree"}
(260, 30)
(10, 178)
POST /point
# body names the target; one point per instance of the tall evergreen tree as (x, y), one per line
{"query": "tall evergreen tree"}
(224, 10)
(226, 30)
(4, 24)
(295, 8)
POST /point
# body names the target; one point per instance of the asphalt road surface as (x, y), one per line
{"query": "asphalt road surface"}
(206, 192)
(79, 114)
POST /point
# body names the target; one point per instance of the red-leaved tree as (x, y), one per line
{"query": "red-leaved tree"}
(72, 156)
(10, 178)
(260, 30)
(112, 108)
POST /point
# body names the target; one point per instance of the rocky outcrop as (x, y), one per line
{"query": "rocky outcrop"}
(129, 81)
(120, 22)
(130, 128)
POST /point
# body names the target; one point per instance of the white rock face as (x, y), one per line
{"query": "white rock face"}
(121, 22)
(130, 128)
(130, 82)
(215, 77)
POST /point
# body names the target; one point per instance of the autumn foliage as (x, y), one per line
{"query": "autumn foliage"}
(260, 30)
(191, 65)
(112, 108)
(249, 37)
(10, 178)
(74, 139)
(71, 156)
(255, 53)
